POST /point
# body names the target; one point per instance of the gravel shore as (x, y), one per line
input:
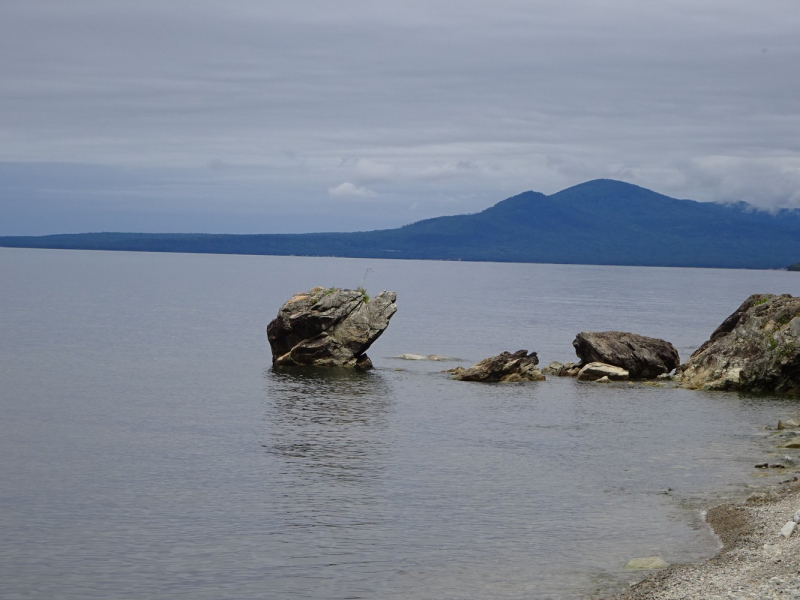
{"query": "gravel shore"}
(755, 561)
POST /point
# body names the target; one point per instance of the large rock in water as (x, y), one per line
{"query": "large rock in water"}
(505, 368)
(329, 327)
(757, 348)
(643, 357)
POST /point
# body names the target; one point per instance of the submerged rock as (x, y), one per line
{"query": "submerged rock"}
(433, 357)
(596, 371)
(504, 368)
(655, 384)
(757, 348)
(329, 327)
(643, 357)
(649, 563)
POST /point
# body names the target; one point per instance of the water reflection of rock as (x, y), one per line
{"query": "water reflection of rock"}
(328, 423)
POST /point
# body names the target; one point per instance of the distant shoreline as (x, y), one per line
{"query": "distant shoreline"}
(5, 243)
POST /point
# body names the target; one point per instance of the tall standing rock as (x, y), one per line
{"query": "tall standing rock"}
(643, 357)
(757, 348)
(329, 327)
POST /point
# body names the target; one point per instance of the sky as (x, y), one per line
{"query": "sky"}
(318, 115)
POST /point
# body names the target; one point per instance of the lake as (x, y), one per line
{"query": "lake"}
(150, 451)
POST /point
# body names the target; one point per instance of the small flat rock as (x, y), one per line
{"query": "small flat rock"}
(649, 563)
(796, 517)
(594, 371)
(603, 379)
(433, 357)
(792, 423)
(788, 529)
(793, 443)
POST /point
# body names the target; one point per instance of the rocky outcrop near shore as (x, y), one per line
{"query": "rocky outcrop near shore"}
(757, 348)
(330, 327)
(643, 357)
(504, 368)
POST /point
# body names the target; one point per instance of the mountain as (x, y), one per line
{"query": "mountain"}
(598, 222)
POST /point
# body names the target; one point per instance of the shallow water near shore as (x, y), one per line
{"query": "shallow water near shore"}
(149, 451)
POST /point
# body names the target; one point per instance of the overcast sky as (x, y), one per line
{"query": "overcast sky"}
(307, 115)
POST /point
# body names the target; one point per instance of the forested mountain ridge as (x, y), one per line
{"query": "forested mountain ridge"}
(598, 222)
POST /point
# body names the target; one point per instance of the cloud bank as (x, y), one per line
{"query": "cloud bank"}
(250, 116)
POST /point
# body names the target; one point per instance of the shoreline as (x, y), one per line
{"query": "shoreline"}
(343, 257)
(754, 561)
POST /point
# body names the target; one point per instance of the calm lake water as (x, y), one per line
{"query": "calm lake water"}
(147, 449)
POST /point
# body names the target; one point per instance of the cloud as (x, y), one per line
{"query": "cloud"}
(447, 170)
(367, 170)
(348, 189)
(449, 105)
(767, 182)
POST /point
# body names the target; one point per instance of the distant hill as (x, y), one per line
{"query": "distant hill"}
(794, 267)
(598, 222)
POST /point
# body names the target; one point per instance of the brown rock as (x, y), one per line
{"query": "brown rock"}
(504, 368)
(642, 357)
(561, 370)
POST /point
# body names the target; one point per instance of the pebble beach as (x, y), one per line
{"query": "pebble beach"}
(758, 559)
